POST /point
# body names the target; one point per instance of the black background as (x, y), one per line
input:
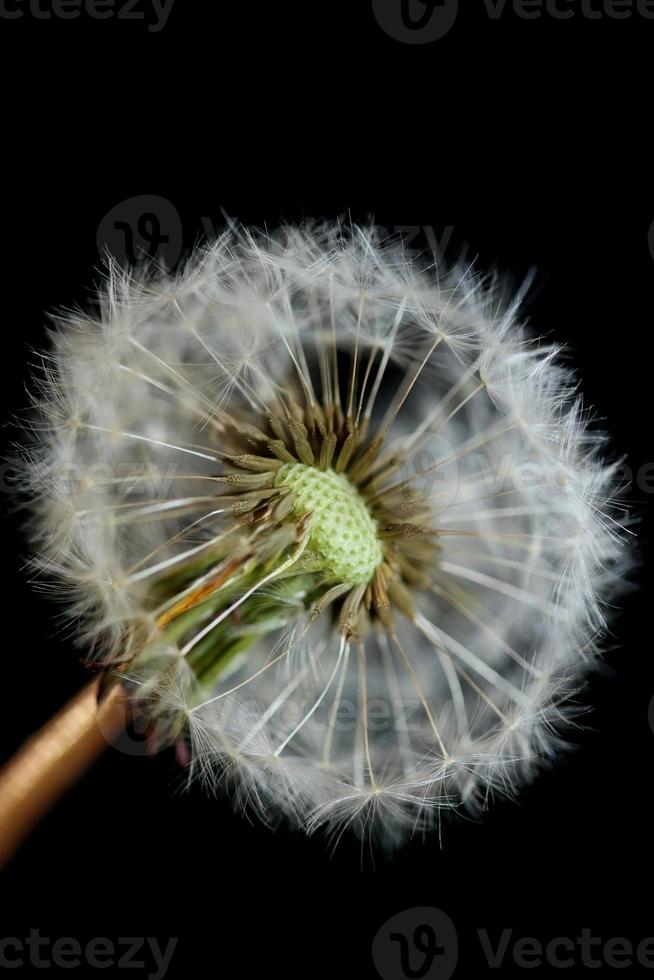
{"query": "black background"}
(525, 141)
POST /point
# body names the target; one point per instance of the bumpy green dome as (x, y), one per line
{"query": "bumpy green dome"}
(343, 534)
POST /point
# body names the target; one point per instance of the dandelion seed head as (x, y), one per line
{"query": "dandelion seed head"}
(334, 518)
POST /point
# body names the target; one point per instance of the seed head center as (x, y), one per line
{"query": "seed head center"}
(343, 533)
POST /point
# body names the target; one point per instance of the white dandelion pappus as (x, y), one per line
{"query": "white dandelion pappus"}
(334, 519)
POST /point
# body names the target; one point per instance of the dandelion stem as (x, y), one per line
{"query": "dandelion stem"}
(53, 759)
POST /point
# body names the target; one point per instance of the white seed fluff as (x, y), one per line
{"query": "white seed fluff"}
(420, 685)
